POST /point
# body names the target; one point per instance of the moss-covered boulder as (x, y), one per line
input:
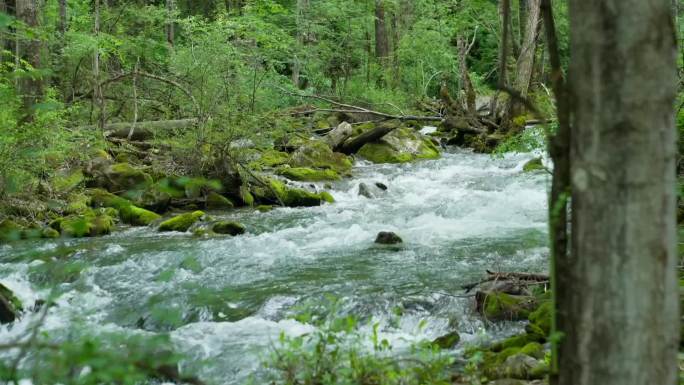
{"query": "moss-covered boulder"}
(49, 233)
(277, 192)
(273, 158)
(128, 212)
(122, 177)
(448, 341)
(400, 146)
(317, 154)
(77, 204)
(90, 224)
(228, 227)
(10, 230)
(65, 181)
(216, 201)
(182, 222)
(264, 208)
(534, 165)
(541, 317)
(497, 306)
(10, 305)
(308, 174)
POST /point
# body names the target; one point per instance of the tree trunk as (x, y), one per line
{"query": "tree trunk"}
(98, 94)
(3, 42)
(170, 26)
(302, 6)
(31, 88)
(620, 308)
(525, 63)
(523, 11)
(63, 21)
(466, 83)
(381, 41)
(504, 27)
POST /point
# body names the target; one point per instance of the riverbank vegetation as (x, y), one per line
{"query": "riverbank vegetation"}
(128, 113)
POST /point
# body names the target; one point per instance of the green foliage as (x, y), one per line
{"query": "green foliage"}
(342, 351)
(528, 140)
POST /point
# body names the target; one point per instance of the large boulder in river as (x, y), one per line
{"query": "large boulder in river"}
(341, 133)
(10, 306)
(91, 223)
(228, 227)
(305, 174)
(121, 177)
(182, 222)
(497, 306)
(400, 146)
(277, 192)
(128, 212)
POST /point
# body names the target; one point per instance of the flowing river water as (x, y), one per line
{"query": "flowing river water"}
(224, 301)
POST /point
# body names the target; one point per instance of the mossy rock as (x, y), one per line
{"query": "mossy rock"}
(10, 305)
(327, 197)
(128, 212)
(295, 197)
(274, 158)
(91, 224)
(533, 349)
(264, 208)
(67, 180)
(496, 306)
(228, 227)
(534, 165)
(216, 201)
(318, 154)
(49, 233)
(308, 174)
(400, 146)
(541, 317)
(182, 222)
(122, 177)
(246, 196)
(78, 204)
(516, 341)
(10, 230)
(448, 341)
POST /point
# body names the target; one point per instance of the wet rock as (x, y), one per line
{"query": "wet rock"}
(264, 208)
(10, 230)
(65, 181)
(274, 158)
(182, 222)
(216, 201)
(447, 341)
(122, 177)
(495, 306)
(364, 191)
(10, 306)
(305, 174)
(318, 155)
(533, 165)
(381, 186)
(341, 133)
(277, 192)
(228, 227)
(541, 317)
(400, 146)
(388, 238)
(92, 223)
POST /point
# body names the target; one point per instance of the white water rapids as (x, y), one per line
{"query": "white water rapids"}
(224, 301)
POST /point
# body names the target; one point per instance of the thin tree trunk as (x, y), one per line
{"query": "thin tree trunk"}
(504, 26)
(31, 88)
(620, 303)
(381, 41)
(523, 11)
(98, 95)
(302, 6)
(3, 42)
(170, 26)
(467, 85)
(63, 21)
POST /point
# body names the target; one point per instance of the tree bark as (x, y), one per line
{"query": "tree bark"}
(170, 26)
(98, 94)
(620, 308)
(525, 63)
(381, 41)
(31, 88)
(3, 42)
(523, 11)
(302, 6)
(467, 85)
(63, 14)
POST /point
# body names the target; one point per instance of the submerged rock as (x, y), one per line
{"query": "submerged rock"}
(10, 305)
(400, 146)
(182, 222)
(372, 191)
(448, 341)
(388, 238)
(228, 227)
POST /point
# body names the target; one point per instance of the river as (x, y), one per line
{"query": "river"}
(224, 301)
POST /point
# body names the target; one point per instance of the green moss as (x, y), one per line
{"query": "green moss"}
(533, 165)
(327, 197)
(6, 293)
(78, 204)
(383, 153)
(246, 196)
(294, 197)
(10, 230)
(66, 181)
(10, 305)
(533, 349)
(218, 201)
(228, 227)
(542, 317)
(516, 341)
(181, 222)
(90, 224)
(123, 176)
(273, 158)
(128, 212)
(448, 341)
(318, 154)
(50, 233)
(502, 306)
(428, 150)
(264, 208)
(308, 174)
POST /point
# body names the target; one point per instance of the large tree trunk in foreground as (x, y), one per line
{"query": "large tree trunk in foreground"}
(620, 311)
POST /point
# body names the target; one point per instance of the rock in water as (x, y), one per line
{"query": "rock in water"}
(228, 227)
(10, 306)
(388, 238)
(447, 341)
(381, 186)
(364, 191)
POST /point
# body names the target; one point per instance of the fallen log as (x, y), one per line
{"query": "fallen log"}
(142, 130)
(354, 145)
(507, 276)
